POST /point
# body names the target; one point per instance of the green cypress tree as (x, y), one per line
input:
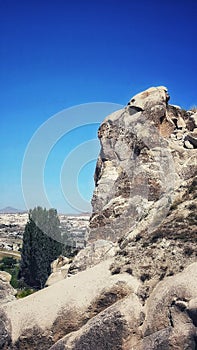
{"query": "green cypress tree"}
(41, 245)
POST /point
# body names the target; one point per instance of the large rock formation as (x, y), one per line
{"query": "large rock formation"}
(144, 295)
(147, 152)
(39, 320)
(170, 321)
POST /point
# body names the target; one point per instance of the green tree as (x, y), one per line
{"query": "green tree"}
(41, 245)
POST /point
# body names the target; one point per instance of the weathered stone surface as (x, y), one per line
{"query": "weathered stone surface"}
(7, 292)
(192, 138)
(140, 164)
(41, 319)
(93, 254)
(188, 144)
(171, 306)
(5, 331)
(151, 252)
(59, 268)
(193, 116)
(115, 328)
(5, 276)
(169, 323)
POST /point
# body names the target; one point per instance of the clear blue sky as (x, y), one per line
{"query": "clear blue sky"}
(58, 54)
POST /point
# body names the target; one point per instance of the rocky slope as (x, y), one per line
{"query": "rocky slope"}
(144, 295)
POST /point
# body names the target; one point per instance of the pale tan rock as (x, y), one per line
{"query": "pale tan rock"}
(194, 118)
(166, 309)
(7, 292)
(192, 138)
(148, 97)
(144, 224)
(139, 163)
(46, 316)
(179, 135)
(92, 255)
(188, 144)
(181, 123)
(115, 328)
(59, 268)
(192, 310)
(5, 276)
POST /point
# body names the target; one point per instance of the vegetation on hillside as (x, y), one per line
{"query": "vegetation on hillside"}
(11, 265)
(43, 242)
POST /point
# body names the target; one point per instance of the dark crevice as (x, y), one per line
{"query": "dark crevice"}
(134, 110)
(175, 122)
(170, 315)
(192, 140)
(136, 152)
(162, 119)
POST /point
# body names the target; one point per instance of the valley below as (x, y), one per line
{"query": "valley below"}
(12, 226)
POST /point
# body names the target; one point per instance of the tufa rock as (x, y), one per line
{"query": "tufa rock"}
(41, 319)
(140, 165)
(7, 292)
(59, 268)
(90, 256)
(138, 287)
(110, 329)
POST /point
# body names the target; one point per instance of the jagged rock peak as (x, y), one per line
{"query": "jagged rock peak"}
(143, 147)
(142, 99)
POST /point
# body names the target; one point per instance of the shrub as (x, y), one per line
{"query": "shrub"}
(24, 293)
(8, 262)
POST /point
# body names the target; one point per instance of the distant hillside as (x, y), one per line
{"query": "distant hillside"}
(10, 210)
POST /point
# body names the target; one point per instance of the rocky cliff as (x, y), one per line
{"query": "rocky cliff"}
(148, 151)
(144, 295)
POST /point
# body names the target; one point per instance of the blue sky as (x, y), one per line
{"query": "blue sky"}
(58, 54)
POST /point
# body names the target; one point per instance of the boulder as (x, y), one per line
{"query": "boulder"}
(93, 254)
(192, 138)
(115, 328)
(59, 270)
(171, 313)
(7, 292)
(167, 321)
(41, 319)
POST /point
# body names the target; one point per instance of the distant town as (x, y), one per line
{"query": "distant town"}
(13, 221)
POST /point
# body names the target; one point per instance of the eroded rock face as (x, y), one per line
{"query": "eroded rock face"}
(141, 164)
(7, 292)
(151, 252)
(167, 321)
(110, 329)
(171, 313)
(41, 319)
(59, 270)
(93, 254)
